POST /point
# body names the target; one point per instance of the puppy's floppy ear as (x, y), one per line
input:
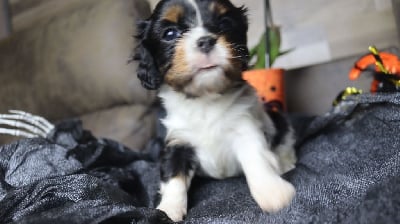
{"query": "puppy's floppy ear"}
(147, 70)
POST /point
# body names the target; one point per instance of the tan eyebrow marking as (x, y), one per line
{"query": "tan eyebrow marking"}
(173, 13)
(219, 8)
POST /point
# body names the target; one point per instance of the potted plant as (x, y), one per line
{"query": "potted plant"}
(268, 81)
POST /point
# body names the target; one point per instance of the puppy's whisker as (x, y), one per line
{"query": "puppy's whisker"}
(238, 46)
(239, 49)
(241, 56)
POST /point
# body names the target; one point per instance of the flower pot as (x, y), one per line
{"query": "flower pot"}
(269, 85)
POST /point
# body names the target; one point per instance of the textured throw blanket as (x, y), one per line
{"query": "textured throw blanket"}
(348, 172)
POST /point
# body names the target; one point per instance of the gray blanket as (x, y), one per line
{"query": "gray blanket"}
(348, 172)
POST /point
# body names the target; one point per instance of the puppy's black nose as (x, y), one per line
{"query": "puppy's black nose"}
(206, 44)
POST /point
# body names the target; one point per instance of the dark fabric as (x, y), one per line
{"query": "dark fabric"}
(347, 172)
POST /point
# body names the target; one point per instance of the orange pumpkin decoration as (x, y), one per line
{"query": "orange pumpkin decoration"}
(269, 84)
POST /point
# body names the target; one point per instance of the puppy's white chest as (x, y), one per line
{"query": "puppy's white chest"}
(209, 126)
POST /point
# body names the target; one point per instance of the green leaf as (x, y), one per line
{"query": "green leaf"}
(285, 52)
(259, 52)
(274, 43)
(253, 52)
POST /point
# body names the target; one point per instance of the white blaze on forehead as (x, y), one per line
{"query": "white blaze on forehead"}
(198, 14)
(195, 34)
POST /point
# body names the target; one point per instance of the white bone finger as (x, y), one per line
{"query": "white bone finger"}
(18, 133)
(18, 124)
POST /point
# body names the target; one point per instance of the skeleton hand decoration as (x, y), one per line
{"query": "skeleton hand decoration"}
(23, 124)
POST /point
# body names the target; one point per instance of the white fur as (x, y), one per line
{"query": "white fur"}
(286, 152)
(174, 197)
(198, 14)
(220, 128)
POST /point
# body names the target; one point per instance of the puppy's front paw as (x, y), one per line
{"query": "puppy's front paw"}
(273, 195)
(174, 210)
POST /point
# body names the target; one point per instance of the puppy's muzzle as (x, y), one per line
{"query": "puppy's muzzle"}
(206, 44)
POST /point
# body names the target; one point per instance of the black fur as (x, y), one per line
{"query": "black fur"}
(147, 71)
(177, 160)
(281, 125)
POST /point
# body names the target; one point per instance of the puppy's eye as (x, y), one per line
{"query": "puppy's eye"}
(171, 34)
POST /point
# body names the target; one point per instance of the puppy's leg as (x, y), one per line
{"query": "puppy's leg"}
(177, 170)
(286, 153)
(261, 168)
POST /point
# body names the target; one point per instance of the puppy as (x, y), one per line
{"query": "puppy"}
(194, 52)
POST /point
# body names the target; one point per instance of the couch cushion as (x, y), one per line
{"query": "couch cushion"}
(132, 125)
(74, 62)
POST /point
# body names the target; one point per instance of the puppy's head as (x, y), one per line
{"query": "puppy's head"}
(195, 46)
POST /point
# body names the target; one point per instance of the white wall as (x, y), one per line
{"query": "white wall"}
(324, 30)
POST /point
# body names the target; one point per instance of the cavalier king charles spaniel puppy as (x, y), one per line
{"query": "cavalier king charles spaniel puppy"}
(194, 52)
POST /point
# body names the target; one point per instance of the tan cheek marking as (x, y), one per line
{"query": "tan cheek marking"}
(173, 14)
(225, 44)
(178, 75)
(234, 69)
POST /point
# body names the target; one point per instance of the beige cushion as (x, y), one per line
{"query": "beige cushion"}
(74, 62)
(132, 126)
